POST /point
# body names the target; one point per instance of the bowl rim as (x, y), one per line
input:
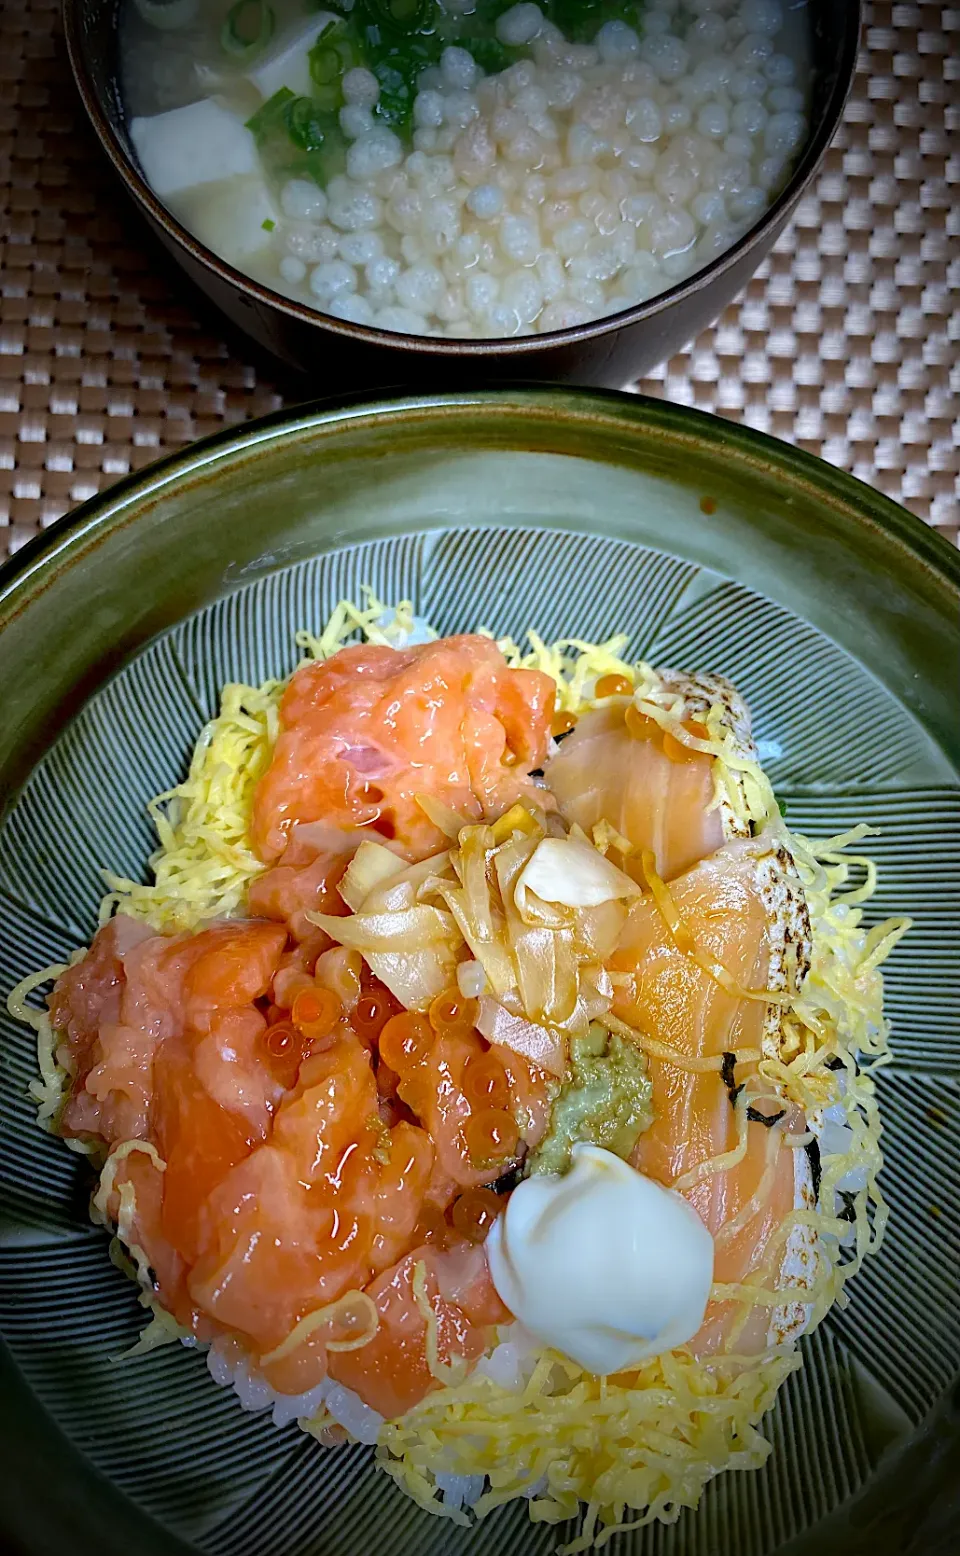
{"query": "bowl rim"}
(121, 156)
(31, 568)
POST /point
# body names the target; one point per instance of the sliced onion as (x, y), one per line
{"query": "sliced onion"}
(533, 1042)
(414, 951)
(371, 865)
(517, 819)
(444, 817)
(403, 890)
(597, 930)
(571, 872)
(487, 948)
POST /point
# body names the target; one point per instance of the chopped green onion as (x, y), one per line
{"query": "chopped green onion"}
(247, 29)
(326, 66)
(268, 224)
(490, 54)
(303, 124)
(271, 115)
(333, 53)
(401, 15)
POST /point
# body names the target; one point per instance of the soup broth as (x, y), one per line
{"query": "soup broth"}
(467, 168)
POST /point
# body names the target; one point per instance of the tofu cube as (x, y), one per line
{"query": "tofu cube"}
(199, 144)
(228, 216)
(288, 65)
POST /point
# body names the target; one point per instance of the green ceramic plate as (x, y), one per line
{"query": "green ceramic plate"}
(716, 548)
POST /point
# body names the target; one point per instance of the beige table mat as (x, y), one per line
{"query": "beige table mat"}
(844, 343)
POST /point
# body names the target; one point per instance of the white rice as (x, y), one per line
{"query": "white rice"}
(231, 1369)
(509, 1364)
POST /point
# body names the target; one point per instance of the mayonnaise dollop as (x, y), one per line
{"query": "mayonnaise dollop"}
(602, 1264)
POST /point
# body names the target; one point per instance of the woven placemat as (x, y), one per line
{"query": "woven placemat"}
(844, 343)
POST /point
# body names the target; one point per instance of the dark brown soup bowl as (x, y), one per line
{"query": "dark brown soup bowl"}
(610, 351)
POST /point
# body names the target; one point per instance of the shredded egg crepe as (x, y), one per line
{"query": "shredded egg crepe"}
(640, 1445)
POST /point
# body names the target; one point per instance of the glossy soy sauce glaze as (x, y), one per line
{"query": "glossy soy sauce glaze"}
(465, 168)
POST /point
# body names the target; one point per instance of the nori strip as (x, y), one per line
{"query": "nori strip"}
(728, 1065)
(766, 1119)
(728, 1076)
(812, 1149)
(846, 1254)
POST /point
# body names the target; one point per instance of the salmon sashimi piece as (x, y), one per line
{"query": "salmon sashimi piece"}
(275, 1250)
(745, 913)
(402, 1187)
(131, 992)
(362, 733)
(658, 799)
(144, 1232)
(84, 1008)
(254, 1204)
(305, 879)
(336, 1097)
(392, 1373)
(331, 1198)
(200, 1141)
(393, 1194)
(247, 1237)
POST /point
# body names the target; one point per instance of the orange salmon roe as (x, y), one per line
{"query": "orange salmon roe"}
(283, 1048)
(452, 1013)
(490, 1135)
(316, 1012)
(675, 749)
(644, 728)
(562, 724)
(373, 1011)
(485, 1081)
(404, 1040)
(640, 727)
(281, 1039)
(431, 1225)
(474, 1213)
(613, 686)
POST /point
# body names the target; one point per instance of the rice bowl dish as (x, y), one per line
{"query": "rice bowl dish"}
(456, 956)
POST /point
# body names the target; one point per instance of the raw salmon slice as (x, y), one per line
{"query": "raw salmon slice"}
(656, 792)
(366, 731)
(133, 990)
(392, 1373)
(747, 913)
(304, 880)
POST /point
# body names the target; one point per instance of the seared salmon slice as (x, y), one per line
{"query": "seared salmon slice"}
(746, 914)
(620, 766)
